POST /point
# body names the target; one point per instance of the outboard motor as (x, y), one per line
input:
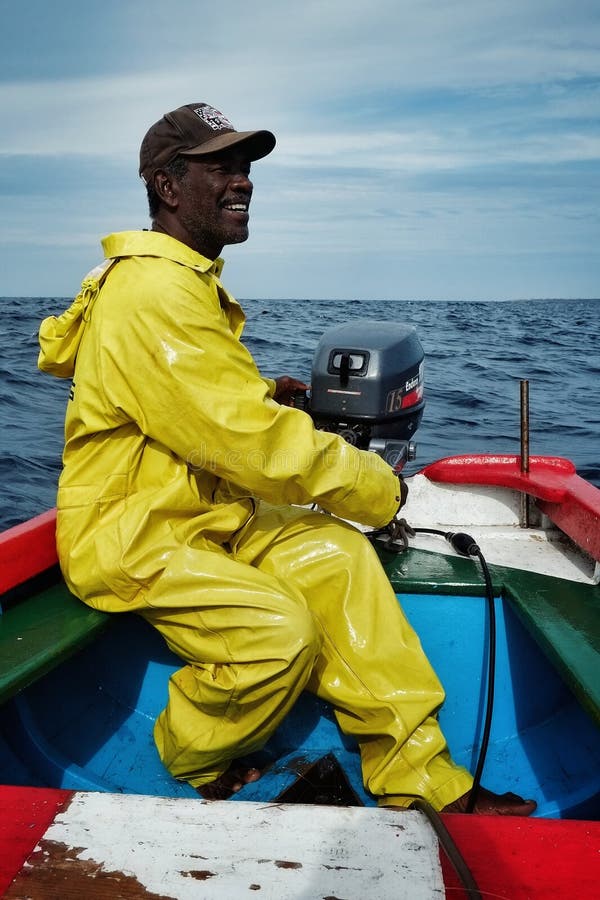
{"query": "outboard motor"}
(367, 385)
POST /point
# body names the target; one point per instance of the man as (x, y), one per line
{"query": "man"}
(180, 499)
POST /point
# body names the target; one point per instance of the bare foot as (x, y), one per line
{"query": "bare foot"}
(230, 782)
(489, 804)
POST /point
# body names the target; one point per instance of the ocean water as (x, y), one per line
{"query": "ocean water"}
(475, 355)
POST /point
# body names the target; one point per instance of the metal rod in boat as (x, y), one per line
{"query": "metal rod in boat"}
(524, 448)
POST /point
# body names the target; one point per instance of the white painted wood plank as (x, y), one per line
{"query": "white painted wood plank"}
(191, 849)
(491, 515)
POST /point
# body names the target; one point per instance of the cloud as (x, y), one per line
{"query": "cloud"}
(405, 128)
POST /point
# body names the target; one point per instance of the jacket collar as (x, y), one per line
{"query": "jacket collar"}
(156, 243)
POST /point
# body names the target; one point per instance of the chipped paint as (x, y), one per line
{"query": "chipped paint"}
(55, 872)
(198, 874)
(105, 846)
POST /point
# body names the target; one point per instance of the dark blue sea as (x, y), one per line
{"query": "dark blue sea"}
(476, 354)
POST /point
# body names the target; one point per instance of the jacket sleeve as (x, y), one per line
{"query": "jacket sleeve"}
(174, 367)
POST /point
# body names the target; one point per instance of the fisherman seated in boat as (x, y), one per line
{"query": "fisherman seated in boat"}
(181, 499)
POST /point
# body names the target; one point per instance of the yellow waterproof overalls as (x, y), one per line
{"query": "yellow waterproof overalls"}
(179, 500)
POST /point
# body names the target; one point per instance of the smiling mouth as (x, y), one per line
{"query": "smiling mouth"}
(236, 207)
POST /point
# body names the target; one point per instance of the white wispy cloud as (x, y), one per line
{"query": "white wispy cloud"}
(434, 127)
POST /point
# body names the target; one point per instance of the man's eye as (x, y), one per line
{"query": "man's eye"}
(227, 170)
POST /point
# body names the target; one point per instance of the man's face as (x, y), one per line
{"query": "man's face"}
(214, 200)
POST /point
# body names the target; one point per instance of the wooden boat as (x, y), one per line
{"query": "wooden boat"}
(80, 690)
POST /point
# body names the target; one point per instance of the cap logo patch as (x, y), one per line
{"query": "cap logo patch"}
(213, 118)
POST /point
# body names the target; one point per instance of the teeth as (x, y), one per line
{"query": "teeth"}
(237, 207)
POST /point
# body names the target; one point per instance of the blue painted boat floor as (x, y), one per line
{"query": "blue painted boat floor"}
(88, 724)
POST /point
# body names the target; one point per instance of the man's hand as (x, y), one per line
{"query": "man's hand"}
(286, 386)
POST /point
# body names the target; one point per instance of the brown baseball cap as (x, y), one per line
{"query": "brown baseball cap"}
(196, 129)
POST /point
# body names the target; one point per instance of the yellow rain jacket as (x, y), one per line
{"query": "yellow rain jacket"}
(180, 471)
(171, 430)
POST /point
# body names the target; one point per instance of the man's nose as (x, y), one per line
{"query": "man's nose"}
(241, 180)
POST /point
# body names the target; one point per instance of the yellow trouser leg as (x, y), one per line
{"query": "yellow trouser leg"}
(371, 666)
(304, 602)
(250, 645)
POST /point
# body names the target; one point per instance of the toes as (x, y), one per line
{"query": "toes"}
(252, 775)
(490, 804)
(228, 783)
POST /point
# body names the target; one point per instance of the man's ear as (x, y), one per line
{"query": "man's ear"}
(167, 188)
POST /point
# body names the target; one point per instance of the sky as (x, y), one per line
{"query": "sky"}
(425, 149)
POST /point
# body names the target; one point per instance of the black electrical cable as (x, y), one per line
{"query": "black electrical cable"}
(485, 737)
(467, 546)
(451, 850)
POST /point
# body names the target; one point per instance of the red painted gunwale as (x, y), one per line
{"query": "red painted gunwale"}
(25, 814)
(27, 550)
(571, 502)
(512, 858)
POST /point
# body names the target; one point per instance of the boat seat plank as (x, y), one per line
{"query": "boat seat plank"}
(189, 849)
(562, 616)
(39, 632)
